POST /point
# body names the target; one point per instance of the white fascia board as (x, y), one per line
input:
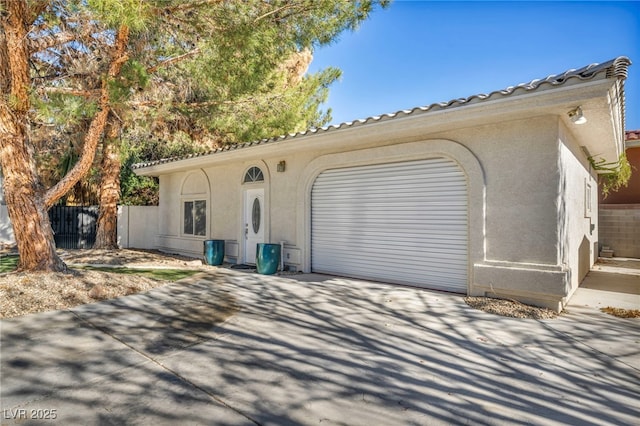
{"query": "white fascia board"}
(476, 112)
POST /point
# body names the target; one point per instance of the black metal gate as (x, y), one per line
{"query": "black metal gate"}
(74, 227)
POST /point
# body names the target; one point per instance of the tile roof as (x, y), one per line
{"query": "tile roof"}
(614, 68)
(632, 135)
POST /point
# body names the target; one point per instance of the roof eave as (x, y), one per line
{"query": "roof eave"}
(558, 101)
(548, 96)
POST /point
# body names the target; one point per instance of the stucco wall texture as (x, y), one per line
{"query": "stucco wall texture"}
(620, 229)
(532, 192)
(620, 213)
(525, 177)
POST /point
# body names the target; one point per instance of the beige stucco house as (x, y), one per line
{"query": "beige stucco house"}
(491, 194)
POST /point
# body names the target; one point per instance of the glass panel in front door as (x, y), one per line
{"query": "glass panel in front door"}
(255, 215)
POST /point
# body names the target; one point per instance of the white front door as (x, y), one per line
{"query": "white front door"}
(253, 223)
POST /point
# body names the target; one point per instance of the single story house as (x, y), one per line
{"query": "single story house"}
(493, 194)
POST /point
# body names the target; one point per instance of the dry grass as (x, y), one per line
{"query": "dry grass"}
(509, 308)
(26, 293)
(621, 313)
(126, 257)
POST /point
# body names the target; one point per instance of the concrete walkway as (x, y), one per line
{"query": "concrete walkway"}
(610, 283)
(228, 347)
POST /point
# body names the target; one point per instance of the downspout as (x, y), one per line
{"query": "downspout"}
(282, 243)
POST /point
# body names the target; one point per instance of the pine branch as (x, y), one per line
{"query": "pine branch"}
(35, 9)
(70, 91)
(97, 126)
(44, 42)
(204, 104)
(271, 12)
(173, 60)
(190, 6)
(291, 7)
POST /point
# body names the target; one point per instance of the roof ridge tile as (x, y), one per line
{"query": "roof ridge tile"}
(614, 68)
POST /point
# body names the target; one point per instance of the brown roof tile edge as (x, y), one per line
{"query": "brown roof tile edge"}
(614, 68)
(632, 135)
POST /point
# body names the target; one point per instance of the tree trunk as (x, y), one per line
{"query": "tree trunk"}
(107, 233)
(5, 76)
(27, 202)
(24, 196)
(97, 126)
(23, 191)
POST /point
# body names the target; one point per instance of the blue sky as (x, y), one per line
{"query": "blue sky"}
(416, 53)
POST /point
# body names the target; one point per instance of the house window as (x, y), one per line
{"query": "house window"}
(195, 217)
(587, 199)
(254, 174)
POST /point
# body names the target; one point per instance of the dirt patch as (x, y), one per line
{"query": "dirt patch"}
(127, 257)
(509, 308)
(26, 293)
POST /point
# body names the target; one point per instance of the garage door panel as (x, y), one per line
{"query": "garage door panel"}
(382, 184)
(440, 230)
(409, 266)
(376, 219)
(406, 248)
(372, 180)
(400, 252)
(395, 180)
(442, 241)
(381, 207)
(397, 222)
(436, 167)
(373, 188)
(363, 268)
(438, 280)
(438, 197)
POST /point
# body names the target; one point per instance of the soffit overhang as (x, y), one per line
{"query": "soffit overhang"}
(598, 89)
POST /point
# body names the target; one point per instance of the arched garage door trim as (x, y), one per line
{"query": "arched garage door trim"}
(411, 151)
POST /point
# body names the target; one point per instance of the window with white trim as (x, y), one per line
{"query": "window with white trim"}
(195, 217)
(587, 199)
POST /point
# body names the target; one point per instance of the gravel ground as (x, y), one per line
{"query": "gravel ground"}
(28, 293)
(25, 293)
(509, 308)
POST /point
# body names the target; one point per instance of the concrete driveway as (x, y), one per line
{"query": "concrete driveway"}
(229, 347)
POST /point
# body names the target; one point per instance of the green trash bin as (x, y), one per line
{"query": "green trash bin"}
(214, 252)
(267, 258)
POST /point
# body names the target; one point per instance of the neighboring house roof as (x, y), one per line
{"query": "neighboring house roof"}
(632, 138)
(615, 68)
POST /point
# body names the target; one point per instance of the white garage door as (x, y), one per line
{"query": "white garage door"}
(398, 222)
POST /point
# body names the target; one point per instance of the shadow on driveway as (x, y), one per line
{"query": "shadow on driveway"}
(239, 348)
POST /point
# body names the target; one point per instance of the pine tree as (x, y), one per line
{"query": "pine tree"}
(92, 56)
